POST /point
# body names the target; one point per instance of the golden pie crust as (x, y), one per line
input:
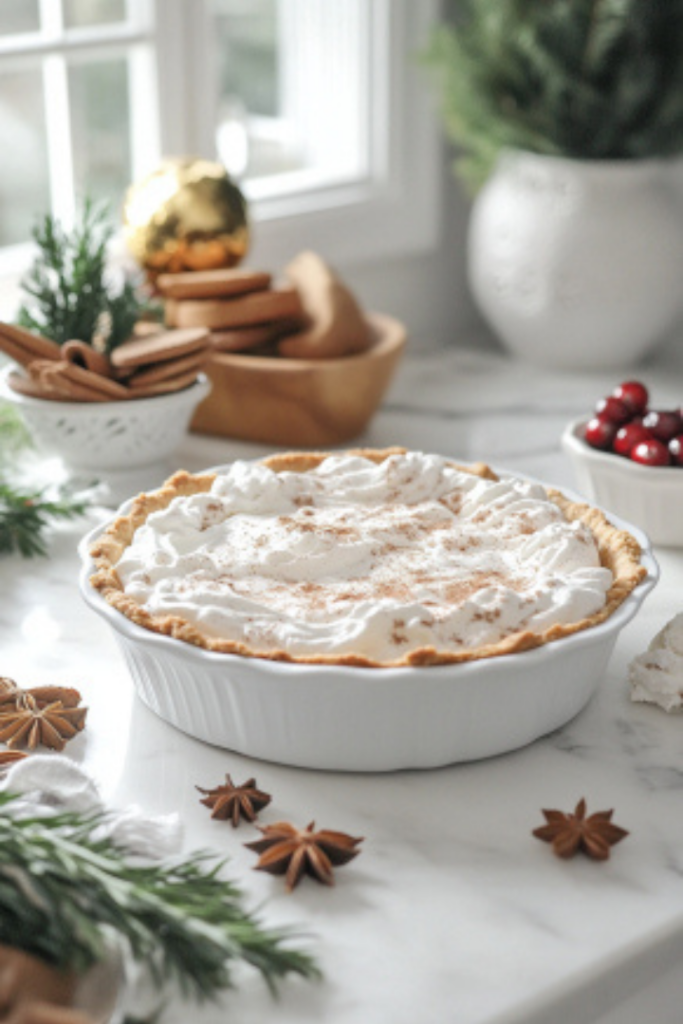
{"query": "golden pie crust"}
(618, 550)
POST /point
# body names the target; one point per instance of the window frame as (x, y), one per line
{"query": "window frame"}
(391, 210)
(395, 208)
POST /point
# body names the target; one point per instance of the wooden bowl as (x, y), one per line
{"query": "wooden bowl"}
(300, 402)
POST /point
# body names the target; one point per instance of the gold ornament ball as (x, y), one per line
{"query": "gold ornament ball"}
(188, 214)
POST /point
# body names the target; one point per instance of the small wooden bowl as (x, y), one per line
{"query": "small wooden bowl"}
(300, 402)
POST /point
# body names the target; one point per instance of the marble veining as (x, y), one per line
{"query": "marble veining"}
(453, 912)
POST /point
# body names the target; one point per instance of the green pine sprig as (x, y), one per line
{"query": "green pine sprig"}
(27, 512)
(68, 292)
(589, 79)
(25, 516)
(63, 892)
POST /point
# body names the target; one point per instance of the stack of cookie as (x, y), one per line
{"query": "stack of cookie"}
(239, 307)
(311, 316)
(156, 363)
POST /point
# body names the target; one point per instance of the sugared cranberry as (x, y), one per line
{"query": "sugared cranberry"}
(663, 424)
(613, 410)
(676, 450)
(600, 433)
(651, 453)
(629, 436)
(633, 394)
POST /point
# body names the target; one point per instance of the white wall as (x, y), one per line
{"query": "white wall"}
(429, 291)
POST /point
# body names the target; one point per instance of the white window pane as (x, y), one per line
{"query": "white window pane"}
(78, 13)
(290, 80)
(246, 34)
(100, 128)
(19, 16)
(24, 182)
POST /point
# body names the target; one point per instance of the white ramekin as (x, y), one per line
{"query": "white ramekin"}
(650, 496)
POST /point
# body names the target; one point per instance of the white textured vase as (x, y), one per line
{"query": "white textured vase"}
(578, 264)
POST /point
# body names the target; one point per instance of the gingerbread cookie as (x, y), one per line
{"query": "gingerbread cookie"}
(336, 324)
(23, 346)
(159, 347)
(162, 387)
(242, 339)
(276, 304)
(212, 284)
(74, 383)
(166, 371)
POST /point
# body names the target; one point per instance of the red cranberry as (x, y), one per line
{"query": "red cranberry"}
(600, 433)
(613, 410)
(651, 453)
(629, 436)
(676, 450)
(633, 394)
(663, 424)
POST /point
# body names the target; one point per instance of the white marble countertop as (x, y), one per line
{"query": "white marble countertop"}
(453, 912)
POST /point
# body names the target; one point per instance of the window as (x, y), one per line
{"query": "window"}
(316, 106)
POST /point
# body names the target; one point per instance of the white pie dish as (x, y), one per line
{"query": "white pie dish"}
(346, 718)
(647, 495)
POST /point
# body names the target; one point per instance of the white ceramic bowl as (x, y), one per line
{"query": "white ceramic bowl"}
(102, 436)
(361, 719)
(649, 496)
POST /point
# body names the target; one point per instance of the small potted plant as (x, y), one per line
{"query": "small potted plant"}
(569, 119)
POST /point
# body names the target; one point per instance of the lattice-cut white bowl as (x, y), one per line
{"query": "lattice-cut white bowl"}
(108, 435)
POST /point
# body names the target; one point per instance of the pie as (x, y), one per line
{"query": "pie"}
(364, 557)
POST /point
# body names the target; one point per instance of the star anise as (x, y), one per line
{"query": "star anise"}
(569, 833)
(293, 852)
(235, 802)
(11, 694)
(10, 757)
(9, 691)
(30, 725)
(44, 695)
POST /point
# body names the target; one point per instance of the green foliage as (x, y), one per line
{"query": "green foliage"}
(62, 891)
(25, 515)
(68, 292)
(26, 512)
(590, 79)
(14, 438)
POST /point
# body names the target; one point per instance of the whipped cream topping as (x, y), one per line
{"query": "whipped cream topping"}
(355, 557)
(656, 676)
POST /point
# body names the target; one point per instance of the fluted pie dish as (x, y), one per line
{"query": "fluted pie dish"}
(364, 610)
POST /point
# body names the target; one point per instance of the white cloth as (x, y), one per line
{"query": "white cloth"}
(51, 783)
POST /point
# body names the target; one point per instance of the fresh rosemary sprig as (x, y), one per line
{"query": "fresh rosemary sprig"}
(62, 892)
(69, 294)
(24, 516)
(25, 512)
